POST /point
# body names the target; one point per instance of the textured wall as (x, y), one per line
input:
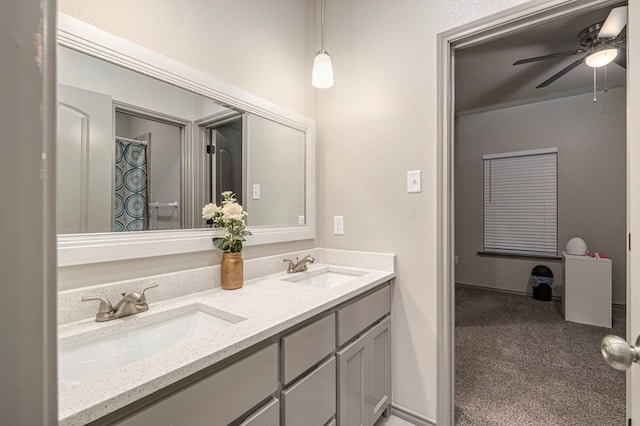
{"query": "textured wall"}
(375, 124)
(591, 142)
(264, 47)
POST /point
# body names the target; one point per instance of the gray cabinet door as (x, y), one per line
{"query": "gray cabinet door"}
(364, 377)
(352, 390)
(379, 365)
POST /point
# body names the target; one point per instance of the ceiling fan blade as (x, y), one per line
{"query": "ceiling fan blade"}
(560, 73)
(615, 22)
(551, 56)
(621, 59)
(622, 37)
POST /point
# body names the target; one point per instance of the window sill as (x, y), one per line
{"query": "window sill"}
(520, 256)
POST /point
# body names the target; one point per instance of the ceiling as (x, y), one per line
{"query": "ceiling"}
(487, 79)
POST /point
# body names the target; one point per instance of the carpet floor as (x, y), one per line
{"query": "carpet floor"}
(519, 363)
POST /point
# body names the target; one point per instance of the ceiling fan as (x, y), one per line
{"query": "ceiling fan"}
(601, 43)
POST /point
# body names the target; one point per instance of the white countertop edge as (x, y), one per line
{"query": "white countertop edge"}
(85, 402)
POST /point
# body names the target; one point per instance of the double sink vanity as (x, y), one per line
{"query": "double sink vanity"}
(298, 348)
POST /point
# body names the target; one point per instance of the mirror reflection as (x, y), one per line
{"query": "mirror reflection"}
(138, 154)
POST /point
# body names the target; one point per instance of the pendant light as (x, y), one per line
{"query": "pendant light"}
(322, 74)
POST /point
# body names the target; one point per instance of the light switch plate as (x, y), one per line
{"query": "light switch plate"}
(300, 220)
(414, 181)
(256, 191)
(338, 225)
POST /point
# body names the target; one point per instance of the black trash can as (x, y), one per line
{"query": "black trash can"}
(542, 281)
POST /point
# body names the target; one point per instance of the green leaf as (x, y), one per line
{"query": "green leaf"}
(219, 242)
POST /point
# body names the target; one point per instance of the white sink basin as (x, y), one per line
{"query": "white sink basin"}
(325, 278)
(149, 336)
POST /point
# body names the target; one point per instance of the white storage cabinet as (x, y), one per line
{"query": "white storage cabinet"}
(587, 290)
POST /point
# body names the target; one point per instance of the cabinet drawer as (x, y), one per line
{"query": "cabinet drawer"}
(311, 401)
(267, 415)
(354, 318)
(218, 399)
(304, 348)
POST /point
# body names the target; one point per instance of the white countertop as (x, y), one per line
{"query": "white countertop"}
(269, 304)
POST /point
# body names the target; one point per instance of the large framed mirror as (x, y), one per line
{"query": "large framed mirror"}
(144, 142)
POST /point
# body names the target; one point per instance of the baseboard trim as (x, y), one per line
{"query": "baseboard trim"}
(411, 416)
(521, 293)
(500, 290)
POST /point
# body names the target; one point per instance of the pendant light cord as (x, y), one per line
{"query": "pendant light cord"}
(594, 86)
(322, 25)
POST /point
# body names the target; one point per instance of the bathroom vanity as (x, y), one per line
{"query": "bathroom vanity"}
(290, 349)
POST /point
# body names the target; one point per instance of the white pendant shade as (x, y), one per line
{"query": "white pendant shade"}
(322, 75)
(601, 57)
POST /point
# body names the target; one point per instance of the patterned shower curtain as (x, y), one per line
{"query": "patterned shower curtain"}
(130, 209)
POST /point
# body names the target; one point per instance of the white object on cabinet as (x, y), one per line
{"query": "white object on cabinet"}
(587, 290)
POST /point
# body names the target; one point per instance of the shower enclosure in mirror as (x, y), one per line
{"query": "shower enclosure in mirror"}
(145, 142)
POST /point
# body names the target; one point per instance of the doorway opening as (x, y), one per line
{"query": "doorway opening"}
(225, 148)
(478, 122)
(148, 169)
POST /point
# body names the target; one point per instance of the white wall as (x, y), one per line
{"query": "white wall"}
(633, 198)
(375, 124)
(591, 142)
(262, 46)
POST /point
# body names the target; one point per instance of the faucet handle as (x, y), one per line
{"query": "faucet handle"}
(105, 305)
(143, 298)
(291, 268)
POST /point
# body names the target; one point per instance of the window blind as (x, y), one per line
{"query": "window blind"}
(521, 202)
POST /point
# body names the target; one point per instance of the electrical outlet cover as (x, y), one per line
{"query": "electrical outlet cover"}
(338, 225)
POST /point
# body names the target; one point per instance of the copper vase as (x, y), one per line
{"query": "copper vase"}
(231, 271)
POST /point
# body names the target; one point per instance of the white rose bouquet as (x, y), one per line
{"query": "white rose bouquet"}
(231, 216)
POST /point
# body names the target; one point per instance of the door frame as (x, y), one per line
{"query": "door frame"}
(497, 25)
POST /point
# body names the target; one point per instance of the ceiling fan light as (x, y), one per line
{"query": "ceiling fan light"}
(601, 57)
(322, 74)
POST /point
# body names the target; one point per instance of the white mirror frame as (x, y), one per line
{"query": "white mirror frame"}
(81, 249)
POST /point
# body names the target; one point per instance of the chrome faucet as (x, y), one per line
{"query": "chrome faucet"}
(130, 304)
(299, 265)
